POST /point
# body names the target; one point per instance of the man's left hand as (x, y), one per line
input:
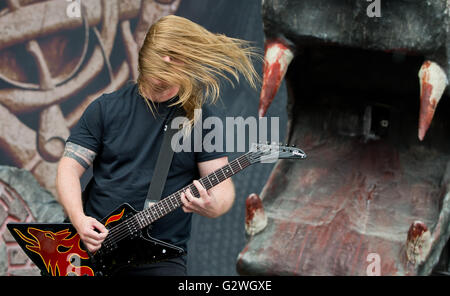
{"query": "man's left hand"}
(206, 205)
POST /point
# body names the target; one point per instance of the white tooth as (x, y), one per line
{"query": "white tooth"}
(276, 62)
(433, 82)
(281, 54)
(432, 73)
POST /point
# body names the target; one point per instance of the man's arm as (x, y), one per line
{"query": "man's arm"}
(217, 200)
(74, 162)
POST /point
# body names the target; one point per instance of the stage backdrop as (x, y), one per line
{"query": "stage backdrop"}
(55, 59)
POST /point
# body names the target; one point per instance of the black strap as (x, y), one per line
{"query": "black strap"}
(164, 160)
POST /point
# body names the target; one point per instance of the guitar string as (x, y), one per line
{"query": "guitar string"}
(165, 207)
(178, 194)
(164, 200)
(124, 229)
(164, 204)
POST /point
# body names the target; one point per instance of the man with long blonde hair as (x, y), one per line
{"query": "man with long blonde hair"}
(180, 66)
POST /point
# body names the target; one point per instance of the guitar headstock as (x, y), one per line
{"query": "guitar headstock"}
(272, 152)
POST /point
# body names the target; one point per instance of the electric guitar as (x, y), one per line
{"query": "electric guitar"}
(56, 249)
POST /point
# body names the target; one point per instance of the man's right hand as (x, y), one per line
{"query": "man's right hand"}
(91, 232)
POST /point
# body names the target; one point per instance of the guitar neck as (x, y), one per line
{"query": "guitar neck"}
(173, 201)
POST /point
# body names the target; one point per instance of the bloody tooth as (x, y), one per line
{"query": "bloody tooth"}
(255, 218)
(418, 242)
(433, 82)
(276, 61)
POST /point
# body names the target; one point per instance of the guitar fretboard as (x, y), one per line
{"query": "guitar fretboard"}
(131, 225)
(173, 201)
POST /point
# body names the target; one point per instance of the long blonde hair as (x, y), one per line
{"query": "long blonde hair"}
(199, 59)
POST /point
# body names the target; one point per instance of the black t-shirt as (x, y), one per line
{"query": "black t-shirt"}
(127, 137)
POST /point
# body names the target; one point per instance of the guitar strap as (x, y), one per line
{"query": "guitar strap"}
(164, 159)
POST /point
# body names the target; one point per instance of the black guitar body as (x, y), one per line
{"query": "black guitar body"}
(136, 249)
(57, 250)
